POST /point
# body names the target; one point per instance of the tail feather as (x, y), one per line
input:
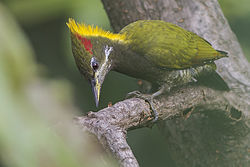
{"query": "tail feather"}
(222, 53)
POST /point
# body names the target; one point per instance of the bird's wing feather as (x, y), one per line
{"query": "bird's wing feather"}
(169, 46)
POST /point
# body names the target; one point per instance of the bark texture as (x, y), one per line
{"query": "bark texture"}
(218, 134)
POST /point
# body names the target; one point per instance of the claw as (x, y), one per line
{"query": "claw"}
(155, 113)
(147, 98)
(134, 94)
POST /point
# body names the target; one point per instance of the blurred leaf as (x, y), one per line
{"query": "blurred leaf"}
(36, 128)
(15, 52)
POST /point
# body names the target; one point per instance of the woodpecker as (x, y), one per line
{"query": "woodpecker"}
(153, 50)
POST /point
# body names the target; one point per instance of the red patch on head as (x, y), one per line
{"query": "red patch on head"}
(86, 43)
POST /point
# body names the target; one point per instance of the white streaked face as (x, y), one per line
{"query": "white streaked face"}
(107, 51)
(100, 70)
(95, 64)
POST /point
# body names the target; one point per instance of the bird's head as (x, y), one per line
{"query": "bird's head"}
(93, 49)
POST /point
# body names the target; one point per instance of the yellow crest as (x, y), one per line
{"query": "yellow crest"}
(88, 30)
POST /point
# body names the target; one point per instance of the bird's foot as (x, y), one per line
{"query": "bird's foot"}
(155, 113)
(147, 98)
(135, 93)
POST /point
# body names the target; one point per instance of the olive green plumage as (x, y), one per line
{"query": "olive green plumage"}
(167, 45)
(153, 50)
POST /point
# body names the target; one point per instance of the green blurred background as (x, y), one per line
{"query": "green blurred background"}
(35, 50)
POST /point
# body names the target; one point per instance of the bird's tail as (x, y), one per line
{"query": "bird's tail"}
(222, 53)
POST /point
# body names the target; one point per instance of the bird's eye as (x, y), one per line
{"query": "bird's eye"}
(94, 64)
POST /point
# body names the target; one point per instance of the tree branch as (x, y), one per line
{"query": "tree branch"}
(206, 19)
(110, 124)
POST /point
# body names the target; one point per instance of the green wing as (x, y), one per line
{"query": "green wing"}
(169, 46)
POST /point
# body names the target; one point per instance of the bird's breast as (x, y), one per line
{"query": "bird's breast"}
(137, 66)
